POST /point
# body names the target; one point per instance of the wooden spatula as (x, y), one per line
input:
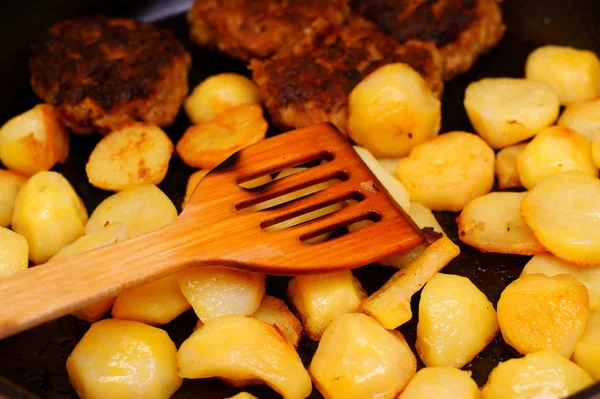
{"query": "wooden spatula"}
(218, 227)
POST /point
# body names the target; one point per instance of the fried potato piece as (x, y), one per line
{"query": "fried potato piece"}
(156, 303)
(318, 299)
(217, 94)
(596, 151)
(493, 223)
(390, 305)
(243, 348)
(584, 118)
(274, 311)
(49, 214)
(456, 321)
(192, 182)
(506, 167)
(14, 252)
(10, 184)
(562, 211)
(352, 348)
(392, 110)
(544, 374)
(142, 209)
(217, 291)
(441, 383)
(206, 145)
(137, 153)
(574, 74)
(389, 165)
(554, 150)
(243, 395)
(550, 265)
(505, 111)
(587, 350)
(447, 172)
(538, 312)
(34, 141)
(124, 359)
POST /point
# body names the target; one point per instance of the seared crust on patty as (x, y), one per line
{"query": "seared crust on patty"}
(310, 82)
(461, 29)
(102, 72)
(248, 29)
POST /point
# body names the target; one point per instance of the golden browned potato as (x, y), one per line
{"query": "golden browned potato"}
(318, 299)
(192, 182)
(550, 265)
(136, 153)
(243, 395)
(357, 358)
(441, 383)
(584, 118)
(10, 184)
(390, 305)
(217, 291)
(14, 252)
(447, 172)
(242, 348)
(274, 311)
(587, 350)
(49, 214)
(34, 141)
(562, 213)
(506, 166)
(493, 223)
(389, 165)
(456, 321)
(142, 209)
(217, 94)
(124, 359)
(596, 150)
(155, 303)
(206, 145)
(556, 149)
(544, 374)
(538, 312)
(392, 110)
(574, 74)
(505, 111)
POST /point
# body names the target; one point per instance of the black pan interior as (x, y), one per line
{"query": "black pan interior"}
(35, 360)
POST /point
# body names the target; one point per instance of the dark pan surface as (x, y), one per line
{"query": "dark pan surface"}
(36, 359)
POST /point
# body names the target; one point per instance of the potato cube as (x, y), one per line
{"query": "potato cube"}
(584, 118)
(49, 214)
(124, 359)
(358, 358)
(136, 153)
(574, 74)
(587, 350)
(493, 223)
(456, 321)
(544, 374)
(274, 311)
(14, 252)
(447, 172)
(10, 184)
(556, 149)
(217, 94)
(505, 111)
(506, 166)
(538, 312)
(243, 348)
(318, 299)
(142, 209)
(217, 291)
(390, 305)
(441, 383)
(34, 141)
(392, 110)
(192, 182)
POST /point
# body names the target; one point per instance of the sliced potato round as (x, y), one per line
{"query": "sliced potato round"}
(506, 166)
(554, 150)
(563, 211)
(493, 223)
(10, 184)
(573, 73)
(505, 111)
(392, 110)
(192, 182)
(447, 172)
(14, 252)
(587, 351)
(441, 383)
(584, 118)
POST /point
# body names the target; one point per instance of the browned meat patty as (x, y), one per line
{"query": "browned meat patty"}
(102, 72)
(461, 29)
(310, 82)
(248, 29)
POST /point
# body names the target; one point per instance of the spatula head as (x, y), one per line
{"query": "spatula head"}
(227, 207)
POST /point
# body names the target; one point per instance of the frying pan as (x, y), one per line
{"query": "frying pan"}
(32, 364)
